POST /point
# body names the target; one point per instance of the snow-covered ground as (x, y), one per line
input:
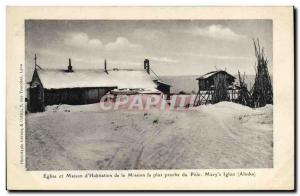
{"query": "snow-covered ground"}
(224, 135)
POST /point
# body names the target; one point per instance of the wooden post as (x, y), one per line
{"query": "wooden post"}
(34, 61)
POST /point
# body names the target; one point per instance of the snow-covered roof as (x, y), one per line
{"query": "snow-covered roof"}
(209, 74)
(59, 79)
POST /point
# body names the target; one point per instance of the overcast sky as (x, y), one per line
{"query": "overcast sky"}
(174, 47)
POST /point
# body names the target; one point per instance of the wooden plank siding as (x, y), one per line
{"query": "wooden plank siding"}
(75, 96)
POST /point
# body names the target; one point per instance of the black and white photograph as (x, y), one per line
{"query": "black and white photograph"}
(150, 98)
(148, 94)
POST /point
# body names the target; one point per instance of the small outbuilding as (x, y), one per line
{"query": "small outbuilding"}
(215, 86)
(163, 87)
(209, 80)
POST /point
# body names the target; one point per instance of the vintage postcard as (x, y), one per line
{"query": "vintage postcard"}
(150, 98)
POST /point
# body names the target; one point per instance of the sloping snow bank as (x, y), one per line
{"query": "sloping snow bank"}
(219, 108)
(226, 107)
(229, 112)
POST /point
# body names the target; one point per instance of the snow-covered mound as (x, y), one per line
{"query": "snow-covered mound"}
(228, 112)
(225, 107)
(224, 135)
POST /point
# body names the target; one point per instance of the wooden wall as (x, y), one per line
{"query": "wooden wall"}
(75, 96)
(36, 101)
(205, 84)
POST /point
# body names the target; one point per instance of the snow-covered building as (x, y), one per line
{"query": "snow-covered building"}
(77, 86)
(216, 86)
(209, 80)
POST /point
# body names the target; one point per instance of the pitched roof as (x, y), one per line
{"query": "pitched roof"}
(210, 74)
(59, 79)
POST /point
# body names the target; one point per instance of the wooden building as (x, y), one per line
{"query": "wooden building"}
(215, 86)
(77, 86)
(208, 80)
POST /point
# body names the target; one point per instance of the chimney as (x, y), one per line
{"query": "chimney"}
(70, 66)
(147, 65)
(105, 68)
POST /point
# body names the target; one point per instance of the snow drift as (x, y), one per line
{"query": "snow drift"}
(224, 135)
